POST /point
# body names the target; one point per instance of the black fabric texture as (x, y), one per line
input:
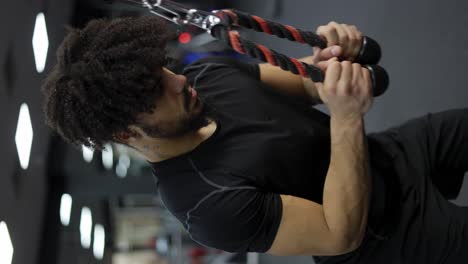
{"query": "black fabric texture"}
(226, 192)
(429, 159)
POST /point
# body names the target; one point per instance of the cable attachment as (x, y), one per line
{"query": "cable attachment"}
(181, 15)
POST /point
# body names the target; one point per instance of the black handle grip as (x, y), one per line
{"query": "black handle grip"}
(380, 79)
(370, 52)
(379, 76)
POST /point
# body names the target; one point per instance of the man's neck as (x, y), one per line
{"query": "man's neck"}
(157, 150)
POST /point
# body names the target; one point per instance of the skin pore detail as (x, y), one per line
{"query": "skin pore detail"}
(154, 150)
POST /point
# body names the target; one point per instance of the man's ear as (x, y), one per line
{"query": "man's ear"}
(125, 136)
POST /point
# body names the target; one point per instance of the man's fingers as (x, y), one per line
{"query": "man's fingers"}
(323, 65)
(328, 53)
(348, 37)
(357, 72)
(346, 77)
(367, 80)
(330, 34)
(333, 74)
(343, 38)
(354, 43)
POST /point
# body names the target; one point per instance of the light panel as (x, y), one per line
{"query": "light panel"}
(108, 157)
(162, 245)
(123, 165)
(88, 153)
(65, 209)
(40, 42)
(99, 242)
(24, 136)
(121, 171)
(86, 227)
(6, 247)
(124, 159)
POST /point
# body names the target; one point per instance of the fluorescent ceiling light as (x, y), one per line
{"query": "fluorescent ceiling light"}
(121, 170)
(124, 159)
(162, 245)
(99, 242)
(6, 247)
(24, 136)
(88, 153)
(86, 223)
(108, 157)
(40, 42)
(123, 165)
(65, 209)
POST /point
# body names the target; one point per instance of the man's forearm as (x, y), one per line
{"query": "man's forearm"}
(290, 83)
(309, 84)
(347, 185)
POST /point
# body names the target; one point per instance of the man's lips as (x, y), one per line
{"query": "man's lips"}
(193, 97)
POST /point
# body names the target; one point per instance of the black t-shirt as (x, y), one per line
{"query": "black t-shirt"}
(226, 192)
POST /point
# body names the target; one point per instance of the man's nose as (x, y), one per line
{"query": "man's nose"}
(179, 81)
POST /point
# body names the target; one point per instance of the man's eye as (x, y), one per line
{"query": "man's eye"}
(170, 62)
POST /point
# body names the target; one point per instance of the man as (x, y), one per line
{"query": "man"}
(244, 162)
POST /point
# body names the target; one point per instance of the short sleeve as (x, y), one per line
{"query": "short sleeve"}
(251, 69)
(237, 220)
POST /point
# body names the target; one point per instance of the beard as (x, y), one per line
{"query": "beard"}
(187, 125)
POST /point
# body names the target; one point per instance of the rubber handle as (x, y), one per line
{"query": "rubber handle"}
(379, 76)
(380, 79)
(370, 52)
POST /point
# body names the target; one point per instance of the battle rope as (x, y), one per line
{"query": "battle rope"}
(369, 54)
(220, 25)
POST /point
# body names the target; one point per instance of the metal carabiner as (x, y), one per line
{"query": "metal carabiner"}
(176, 17)
(180, 15)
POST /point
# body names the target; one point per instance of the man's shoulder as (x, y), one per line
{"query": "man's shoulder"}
(213, 59)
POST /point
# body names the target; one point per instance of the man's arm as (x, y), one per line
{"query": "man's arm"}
(348, 185)
(296, 85)
(289, 83)
(339, 225)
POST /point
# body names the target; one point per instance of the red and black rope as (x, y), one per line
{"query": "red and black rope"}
(369, 54)
(232, 38)
(259, 24)
(244, 46)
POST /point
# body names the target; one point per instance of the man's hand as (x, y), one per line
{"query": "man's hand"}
(347, 90)
(343, 41)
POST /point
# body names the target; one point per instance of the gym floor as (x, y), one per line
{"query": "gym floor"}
(425, 51)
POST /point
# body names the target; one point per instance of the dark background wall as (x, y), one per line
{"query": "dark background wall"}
(23, 192)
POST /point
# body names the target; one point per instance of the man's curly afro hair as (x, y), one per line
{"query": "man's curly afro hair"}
(106, 74)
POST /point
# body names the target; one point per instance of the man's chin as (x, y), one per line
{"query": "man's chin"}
(198, 108)
(200, 117)
(198, 123)
(191, 127)
(197, 120)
